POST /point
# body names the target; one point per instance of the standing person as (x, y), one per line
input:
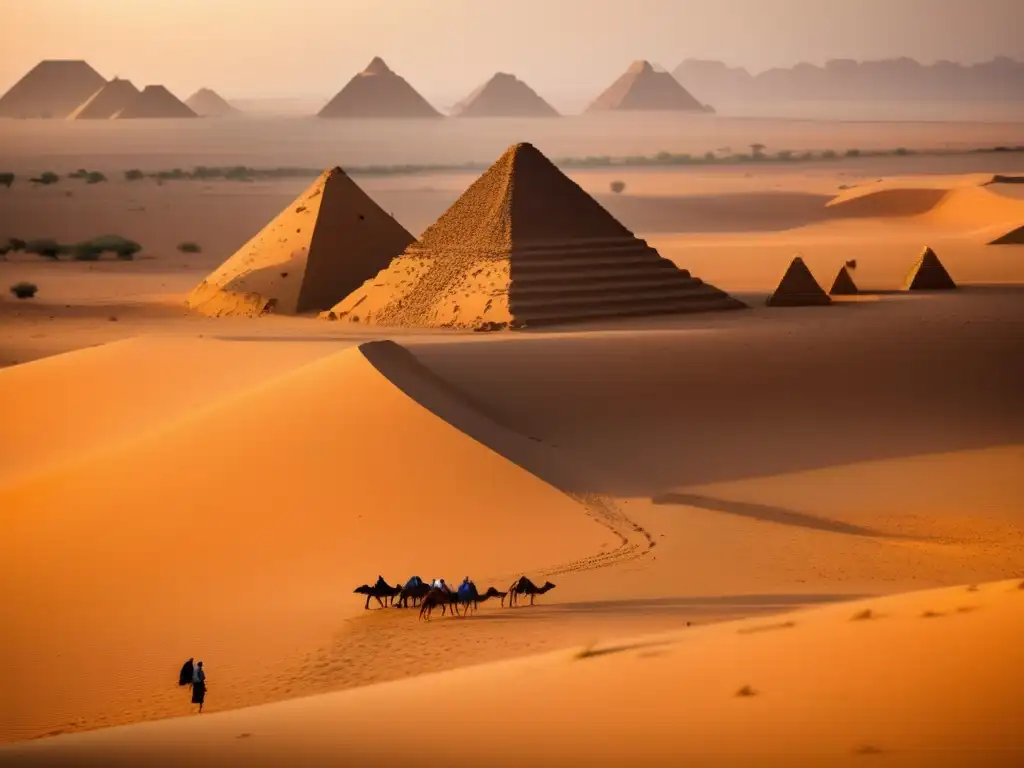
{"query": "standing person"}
(199, 686)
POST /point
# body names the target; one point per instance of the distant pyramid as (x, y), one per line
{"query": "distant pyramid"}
(798, 288)
(208, 103)
(642, 88)
(843, 285)
(107, 101)
(504, 95)
(155, 101)
(1013, 237)
(51, 89)
(319, 249)
(524, 245)
(929, 274)
(378, 92)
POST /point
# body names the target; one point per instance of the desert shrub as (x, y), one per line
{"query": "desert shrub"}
(853, 153)
(238, 173)
(6, 179)
(49, 177)
(16, 244)
(133, 174)
(785, 155)
(121, 247)
(709, 157)
(81, 173)
(86, 252)
(757, 150)
(829, 154)
(46, 247)
(189, 248)
(94, 177)
(901, 151)
(618, 187)
(24, 290)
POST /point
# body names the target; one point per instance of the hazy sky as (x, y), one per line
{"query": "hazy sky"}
(447, 47)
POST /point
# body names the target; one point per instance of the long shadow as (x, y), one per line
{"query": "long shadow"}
(765, 513)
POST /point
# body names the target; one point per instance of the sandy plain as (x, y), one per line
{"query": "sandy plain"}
(176, 485)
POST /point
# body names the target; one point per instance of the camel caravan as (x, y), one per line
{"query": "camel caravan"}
(438, 594)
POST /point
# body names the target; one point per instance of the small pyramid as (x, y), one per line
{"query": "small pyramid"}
(208, 103)
(107, 101)
(1013, 237)
(798, 288)
(154, 101)
(320, 248)
(643, 88)
(929, 274)
(524, 246)
(843, 285)
(378, 92)
(504, 95)
(51, 89)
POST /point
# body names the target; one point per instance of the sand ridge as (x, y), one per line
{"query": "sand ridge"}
(321, 247)
(52, 88)
(642, 87)
(108, 101)
(525, 245)
(379, 92)
(154, 101)
(504, 95)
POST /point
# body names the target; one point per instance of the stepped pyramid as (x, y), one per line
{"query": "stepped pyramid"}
(843, 285)
(154, 101)
(107, 101)
(1013, 237)
(798, 288)
(929, 274)
(504, 95)
(524, 245)
(51, 89)
(320, 248)
(378, 92)
(208, 103)
(644, 88)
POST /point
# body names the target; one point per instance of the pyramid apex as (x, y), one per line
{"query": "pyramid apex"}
(377, 67)
(640, 66)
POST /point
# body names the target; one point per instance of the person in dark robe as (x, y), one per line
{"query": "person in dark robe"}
(199, 686)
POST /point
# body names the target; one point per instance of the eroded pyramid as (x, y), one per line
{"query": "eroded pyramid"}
(208, 103)
(378, 92)
(504, 95)
(107, 101)
(843, 285)
(51, 89)
(1013, 237)
(929, 274)
(643, 88)
(155, 101)
(524, 246)
(319, 249)
(798, 288)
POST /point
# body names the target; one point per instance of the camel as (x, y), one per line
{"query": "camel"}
(377, 591)
(415, 593)
(438, 597)
(472, 598)
(523, 586)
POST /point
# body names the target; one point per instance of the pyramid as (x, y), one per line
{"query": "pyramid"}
(504, 95)
(378, 92)
(320, 248)
(798, 288)
(525, 246)
(1013, 237)
(208, 103)
(51, 89)
(843, 285)
(154, 101)
(929, 274)
(642, 88)
(107, 101)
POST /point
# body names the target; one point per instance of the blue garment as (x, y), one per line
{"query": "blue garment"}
(415, 581)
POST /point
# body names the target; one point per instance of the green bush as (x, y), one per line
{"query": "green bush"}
(133, 175)
(81, 173)
(24, 290)
(86, 252)
(16, 244)
(51, 249)
(6, 179)
(189, 248)
(618, 187)
(121, 247)
(46, 178)
(94, 177)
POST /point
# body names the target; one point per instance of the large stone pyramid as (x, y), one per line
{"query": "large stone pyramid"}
(504, 95)
(525, 246)
(378, 92)
(318, 250)
(843, 285)
(643, 88)
(107, 101)
(929, 274)
(1013, 237)
(798, 288)
(154, 101)
(209, 103)
(51, 89)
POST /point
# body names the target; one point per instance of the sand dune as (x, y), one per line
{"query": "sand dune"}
(927, 678)
(253, 518)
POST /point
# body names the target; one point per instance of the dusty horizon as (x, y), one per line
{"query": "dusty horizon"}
(190, 44)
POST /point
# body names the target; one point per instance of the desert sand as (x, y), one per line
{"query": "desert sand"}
(178, 485)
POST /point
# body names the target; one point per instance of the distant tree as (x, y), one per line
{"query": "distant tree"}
(94, 177)
(24, 290)
(785, 155)
(16, 243)
(902, 151)
(829, 154)
(81, 173)
(709, 156)
(6, 179)
(189, 247)
(757, 151)
(133, 175)
(45, 247)
(49, 177)
(853, 153)
(618, 187)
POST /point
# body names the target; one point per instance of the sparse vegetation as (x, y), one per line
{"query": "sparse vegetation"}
(134, 174)
(45, 247)
(853, 153)
(49, 177)
(189, 248)
(121, 247)
(757, 151)
(6, 179)
(829, 154)
(24, 290)
(16, 244)
(81, 173)
(618, 187)
(94, 177)
(785, 155)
